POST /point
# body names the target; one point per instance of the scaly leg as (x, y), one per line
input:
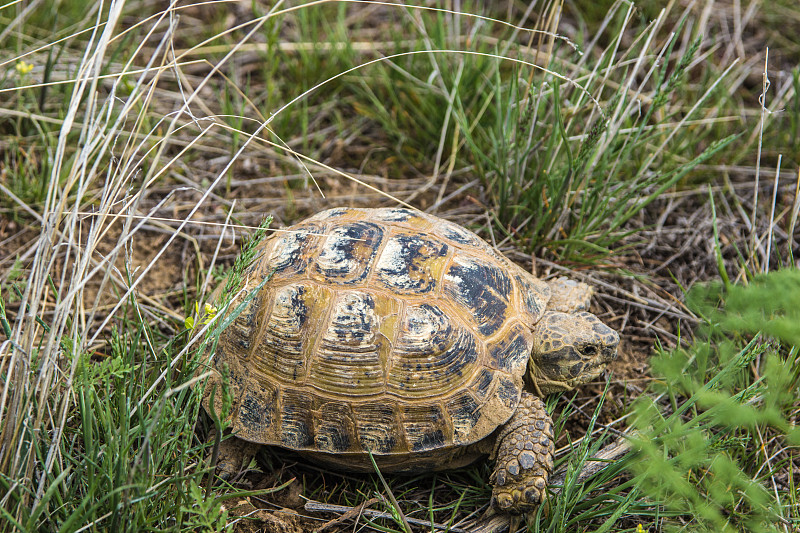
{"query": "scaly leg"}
(234, 455)
(524, 453)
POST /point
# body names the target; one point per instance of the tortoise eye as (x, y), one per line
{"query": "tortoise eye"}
(589, 350)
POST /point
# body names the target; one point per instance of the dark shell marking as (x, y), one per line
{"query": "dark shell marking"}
(459, 235)
(385, 330)
(409, 264)
(482, 288)
(346, 253)
(289, 253)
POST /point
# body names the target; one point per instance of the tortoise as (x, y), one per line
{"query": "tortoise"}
(399, 335)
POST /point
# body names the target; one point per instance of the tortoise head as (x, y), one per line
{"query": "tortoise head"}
(570, 349)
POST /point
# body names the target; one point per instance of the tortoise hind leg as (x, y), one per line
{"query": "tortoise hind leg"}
(524, 453)
(234, 455)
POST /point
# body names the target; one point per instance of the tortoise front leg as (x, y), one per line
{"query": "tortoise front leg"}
(524, 453)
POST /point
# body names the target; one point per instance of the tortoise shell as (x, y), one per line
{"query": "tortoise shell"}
(378, 330)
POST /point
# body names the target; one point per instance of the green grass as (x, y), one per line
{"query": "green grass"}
(715, 455)
(577, 142)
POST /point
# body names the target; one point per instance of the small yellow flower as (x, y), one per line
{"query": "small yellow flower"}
(24, 68)
(639, 529)
(209, 312)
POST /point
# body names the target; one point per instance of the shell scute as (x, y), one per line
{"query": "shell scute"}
(242, 331)
(429, 440)
(424, 426)
(334, 213)
(459, 235)
(284, 337)
(508, 392)
(482, 288)
(297, 420)
(433, 354)
(347, 358)
(411, 263)
(534, 295)
(335, 428)
(346, 252)
(257, 411)
(377, 427)
(481, 386)
(465, 413)
(401, 216)
(426, 328)
(289, 252)
(511, 351)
